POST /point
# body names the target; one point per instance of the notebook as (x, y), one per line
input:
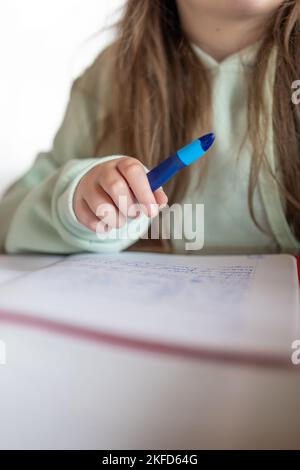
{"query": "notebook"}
(232, 308)
(14, 266)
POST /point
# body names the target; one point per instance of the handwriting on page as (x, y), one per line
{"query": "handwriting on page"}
(220, 302)
(237, 302)
(133, 279)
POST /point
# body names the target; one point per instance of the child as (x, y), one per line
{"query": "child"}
(177, 70)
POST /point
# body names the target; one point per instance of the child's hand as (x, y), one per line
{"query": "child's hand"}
(111, 191)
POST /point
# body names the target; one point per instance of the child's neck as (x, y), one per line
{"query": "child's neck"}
(221, 37)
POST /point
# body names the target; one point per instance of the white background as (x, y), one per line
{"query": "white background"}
(44, 45)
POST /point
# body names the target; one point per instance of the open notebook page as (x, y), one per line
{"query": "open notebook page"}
(14, 266)
(236, 303)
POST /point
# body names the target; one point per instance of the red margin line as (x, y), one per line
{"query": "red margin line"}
(205, 354)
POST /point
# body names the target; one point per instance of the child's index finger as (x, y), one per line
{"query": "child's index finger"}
(134, 173)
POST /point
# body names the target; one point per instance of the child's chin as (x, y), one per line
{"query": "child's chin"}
(254, 7)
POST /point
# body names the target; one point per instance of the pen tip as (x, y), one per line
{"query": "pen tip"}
(207, 141)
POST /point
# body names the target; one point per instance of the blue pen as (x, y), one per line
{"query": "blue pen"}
(163, 172)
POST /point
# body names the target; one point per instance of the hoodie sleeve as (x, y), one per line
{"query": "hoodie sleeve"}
(36, 213)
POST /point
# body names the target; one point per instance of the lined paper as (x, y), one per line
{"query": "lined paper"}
(238, 303)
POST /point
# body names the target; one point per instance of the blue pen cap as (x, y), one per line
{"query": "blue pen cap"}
(207, 141)
(163, 172)
(196, 149)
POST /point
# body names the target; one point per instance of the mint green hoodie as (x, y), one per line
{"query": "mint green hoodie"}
(36, 214)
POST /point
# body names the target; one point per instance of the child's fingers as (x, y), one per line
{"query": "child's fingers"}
(117, 189)
(86, 217)
(134, 173)
(161, 197)
(104, 208)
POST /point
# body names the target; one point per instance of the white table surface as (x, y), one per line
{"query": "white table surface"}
(60, 392)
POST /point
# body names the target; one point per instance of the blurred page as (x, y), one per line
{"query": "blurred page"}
(13, 266)
(238, 303)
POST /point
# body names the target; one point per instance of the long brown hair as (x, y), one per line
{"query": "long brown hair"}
(161, 95)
